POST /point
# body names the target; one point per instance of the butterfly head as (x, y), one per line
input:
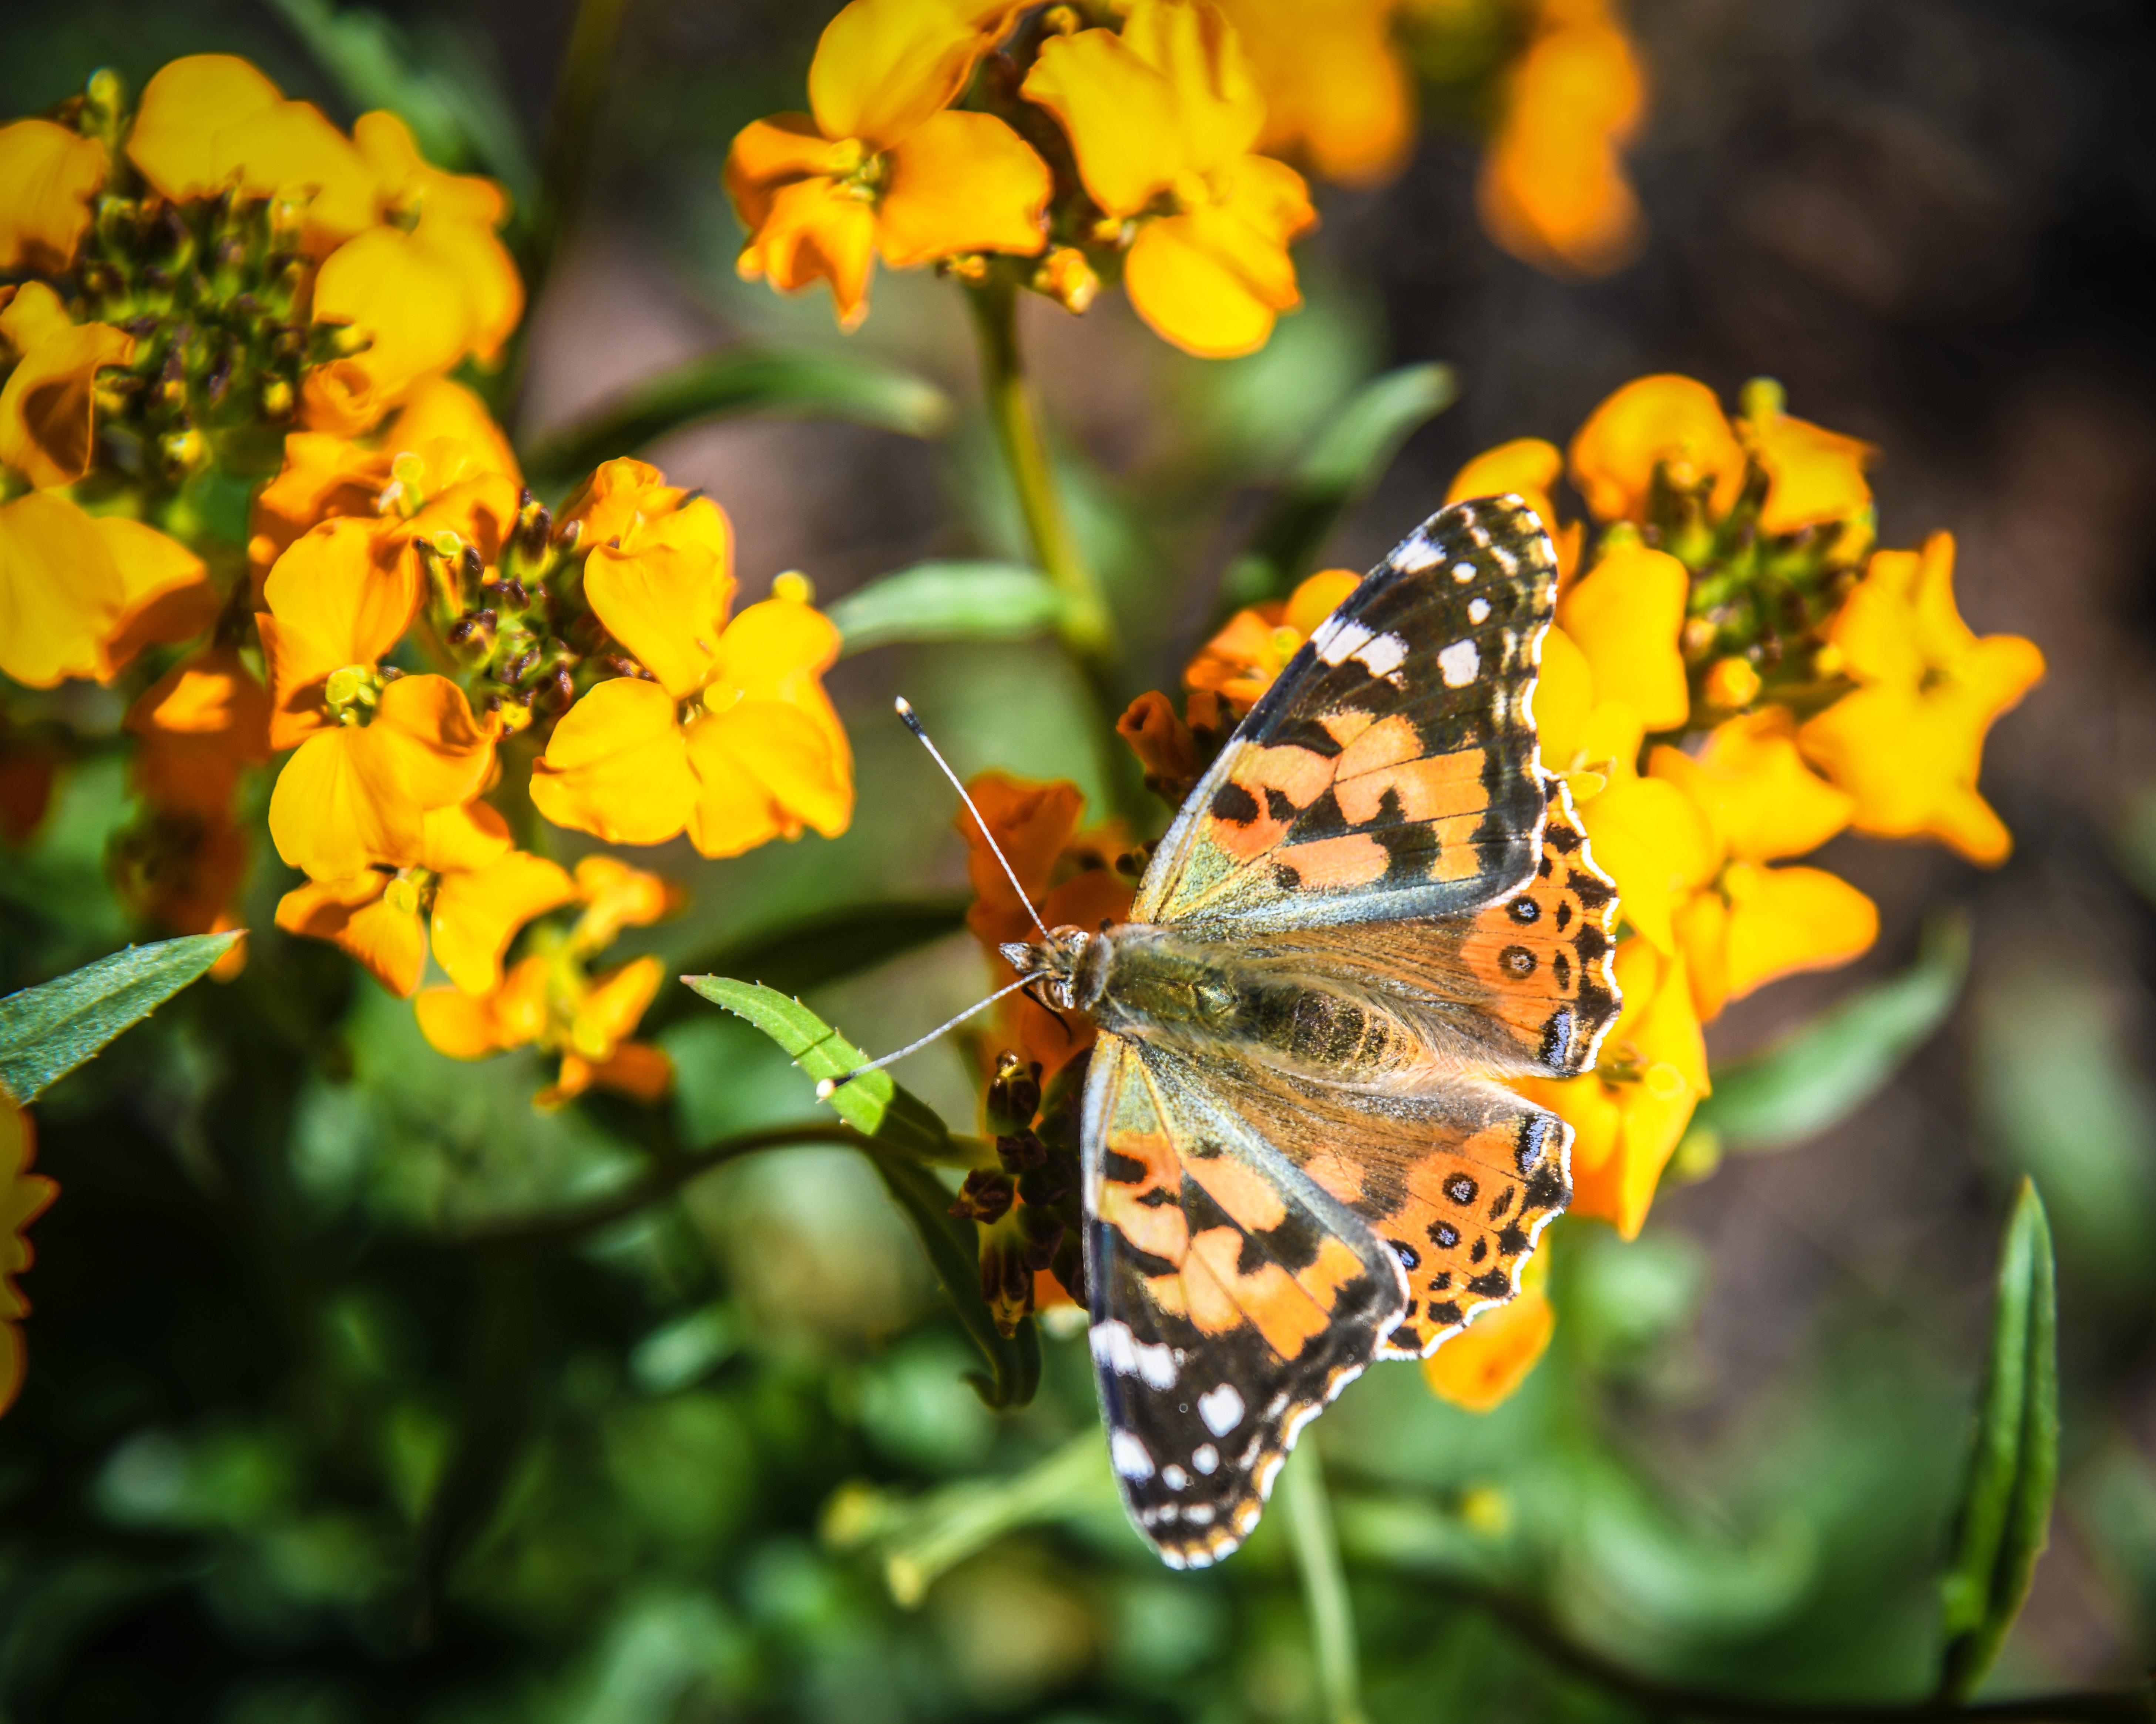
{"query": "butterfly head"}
(1072, 962)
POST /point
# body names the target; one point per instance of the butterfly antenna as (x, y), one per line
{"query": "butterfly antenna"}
(828, 1086)
(913, 724)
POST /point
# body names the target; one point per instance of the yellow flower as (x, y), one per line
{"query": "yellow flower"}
(1554, 191)
(1592, 739)
(1625, 614)
(1652, 839)
(616, 896)
(733, 739)
(1628, 1115)
(474, 888)
(549, 1001)
(78, 594)
(1164, 117)
(1336, 92)
(375, 751)
(1662, 421)
(1814, 475)
(885, 164)
(50, 174)
(1480, 1368)
(1907, 743)
(1240, 662)
(24, 1196)
(1527, 468)
(201, 724)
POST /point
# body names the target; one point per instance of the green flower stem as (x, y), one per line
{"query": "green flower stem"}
(1316, 1547)
(1085, 626)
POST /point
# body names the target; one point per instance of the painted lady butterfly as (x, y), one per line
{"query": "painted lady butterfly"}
(1373, 905)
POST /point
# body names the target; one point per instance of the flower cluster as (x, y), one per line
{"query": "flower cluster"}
(1735, 675)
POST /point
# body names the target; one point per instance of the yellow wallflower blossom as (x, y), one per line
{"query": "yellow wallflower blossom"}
(1527, 468)
(1337, 94)
(1592, 739)
(24, 1196)
(550, 1001)
(1163, 117)
(375, 751)
(472, 888)
(884, 164)
(1625, 614)
(1652, 421)
(1907, 743)
(1253, 647)
(200, 725)
(1814, 475)
(49, 173)
(1480, 1368)
(1554, 191)
(733, 739)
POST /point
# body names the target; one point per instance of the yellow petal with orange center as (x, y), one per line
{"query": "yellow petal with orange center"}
(1651, 839)
(1785, 919)
(1120, 114)
(46, 430)
(51, 174)
(815, 231)
(353, 915)
(1626, 615)
(618, 766)
(882, 66)
(1655, 421)
(60, 591)
(478, 913)
(1752, 783)
(961, 182)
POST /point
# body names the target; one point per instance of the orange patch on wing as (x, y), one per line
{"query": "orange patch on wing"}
(1354, 860)
(1346, 726)
(1334, 1266)
(1280, 1309)
(1298, 773)
(1336, 1175)
(1249, 1199)
(1158, 1230)
(1457, 858)
(1434, 787)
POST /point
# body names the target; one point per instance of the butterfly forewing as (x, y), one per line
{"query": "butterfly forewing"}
(1391, 771)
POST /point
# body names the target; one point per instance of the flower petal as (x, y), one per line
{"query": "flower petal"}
(1191, 293)
(409, 298)
(1119, 113)
(1652, 421)
(1479, 1369)
(1334, 88)
(618, 766)
(1752, 783)
(338, 596)
(662, 592)
(60, 591)
(45, 407)
(1220, 109)
(961, 182)
(477, 914)
(765, 769)
(350, 915)
(882, 66)
(166, 596)
(1814, 475)
(425, 747)
(51, 173)
(1785, 919)
(1528, 468)
(463, 838)
(616, 896)
(1658, 847)
(1626, 615)
(613, 1006)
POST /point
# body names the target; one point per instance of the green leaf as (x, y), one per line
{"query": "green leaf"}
(46, 1031)
(2005, 1513)
(948, 600)
(742, 380)
(1824, 1072)
(908, 1135)
(1337, 471)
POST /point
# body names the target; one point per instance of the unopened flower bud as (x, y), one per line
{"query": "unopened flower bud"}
(1065, 277)
(1732, 685)
(793, 586)
(1013, 1095)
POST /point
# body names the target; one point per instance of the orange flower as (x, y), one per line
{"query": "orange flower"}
(1168, 110)
(734, 739)
(475, 889)
(1664, 422)
(1480, 1366)
(1554, 191)
(24, 1196)
(546, 1001)
(1527, 468)
(1908, 744)
(204, 721)
(1240, 662)
(1335, 91)
(377, 751)
(50, 174)
(1070, 877)
(885, 164)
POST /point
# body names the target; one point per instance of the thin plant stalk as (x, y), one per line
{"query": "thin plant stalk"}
(1316, 1547)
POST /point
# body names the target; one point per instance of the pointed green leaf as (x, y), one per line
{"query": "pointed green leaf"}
(1826, 1071)
(46, 1031)
(948, 600)
(741, 380)
(2005, 1512)
(908, 1136)
(1338, 470)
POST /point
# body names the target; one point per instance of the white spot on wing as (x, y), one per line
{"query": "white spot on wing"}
(1463, 572)
(1222, 1409)
(1478, 610)
(1173, 1476)
(1416, 555)
(1205, 1458)
(1129, 1454)
(1116, 1347)
(1459, 664)
(1200, 1514)
(1337, 641)
(1384, 656)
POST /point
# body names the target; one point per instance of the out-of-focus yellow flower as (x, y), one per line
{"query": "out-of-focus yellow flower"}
(1480, 1366)
(1337, 94)
(1907, 743)
(1814, 475)
(24, 1196)
(46, 411)
(1662, 421)
(201, 724)
(1527, 468)
(616, 896)
(48, 175)
(546, 1001)
(1628, 1115)
(733, 739)
(1625, 615)
(884, 163)
(1240, 662)
(1751, 783)
(378, 750)
(1168, 110)
(1554, 191)
(472, 886)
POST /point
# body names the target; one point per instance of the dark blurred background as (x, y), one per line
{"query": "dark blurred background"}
(1935, 222)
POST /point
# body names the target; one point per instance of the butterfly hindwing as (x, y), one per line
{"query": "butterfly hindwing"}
(1232, 1299)
(1391, 771)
